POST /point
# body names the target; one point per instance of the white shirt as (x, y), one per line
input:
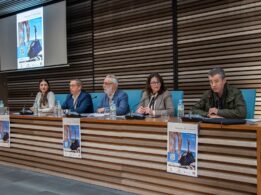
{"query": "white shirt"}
(155, 99)
(51, 102)
(110, 97)
(75, 100)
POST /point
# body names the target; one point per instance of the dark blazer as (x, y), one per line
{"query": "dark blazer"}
(120, 99)
(83, 103)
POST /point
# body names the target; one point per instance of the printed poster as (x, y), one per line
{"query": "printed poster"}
(182, 149)
(71, 137)
(4, 131)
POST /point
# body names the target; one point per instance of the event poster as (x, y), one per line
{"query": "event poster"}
(4, 131)
(72, 137)
(30, 39)
(182, 147)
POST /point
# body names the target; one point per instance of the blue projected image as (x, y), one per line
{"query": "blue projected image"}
(30, 32)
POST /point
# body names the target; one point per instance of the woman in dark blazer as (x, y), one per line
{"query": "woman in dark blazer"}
(156, 97)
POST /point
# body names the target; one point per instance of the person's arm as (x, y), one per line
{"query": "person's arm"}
(168, 105)
(238, 112)
(35, 101)
(65, 103)
(141, 105)
(51, 103)
(123, 107)
(85, 104)
(199, 107)
(100, 104)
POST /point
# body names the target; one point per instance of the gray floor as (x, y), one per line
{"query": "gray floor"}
(15, 181)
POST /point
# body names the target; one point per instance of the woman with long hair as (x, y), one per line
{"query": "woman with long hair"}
(156, 97)
(45, 98)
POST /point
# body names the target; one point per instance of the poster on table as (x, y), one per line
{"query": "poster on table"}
(71, 137)
(4, 131)
(182, 149)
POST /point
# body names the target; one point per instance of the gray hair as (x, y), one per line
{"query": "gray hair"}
(113, 78)
(78, 82)
(216, 71)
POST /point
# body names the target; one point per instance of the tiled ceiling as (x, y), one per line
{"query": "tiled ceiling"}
(8, 7)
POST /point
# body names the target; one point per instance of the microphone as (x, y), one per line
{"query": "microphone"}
(136, 116)
(140, 102)
(26, 111)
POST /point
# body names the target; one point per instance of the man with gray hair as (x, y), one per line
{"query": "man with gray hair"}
(112, 94)
(222, 100)
(78, 101)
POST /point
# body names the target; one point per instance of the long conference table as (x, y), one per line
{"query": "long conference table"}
(130, 155)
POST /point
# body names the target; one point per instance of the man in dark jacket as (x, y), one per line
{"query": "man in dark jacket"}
(78, 101)
(112, 93)
(222, 100)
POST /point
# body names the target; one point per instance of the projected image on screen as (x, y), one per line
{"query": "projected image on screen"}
(30, 39)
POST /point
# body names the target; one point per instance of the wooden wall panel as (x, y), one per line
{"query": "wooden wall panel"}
(131, 40)
(219, 33)
(23, 86)
(134, 38)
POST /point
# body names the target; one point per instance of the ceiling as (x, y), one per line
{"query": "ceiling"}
(9, 7)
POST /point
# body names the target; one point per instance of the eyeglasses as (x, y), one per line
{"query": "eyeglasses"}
(106, 83)
(155, 83)
(73, 85)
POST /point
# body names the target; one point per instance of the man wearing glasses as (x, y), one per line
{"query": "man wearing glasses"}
(113, 95)
(78, 101)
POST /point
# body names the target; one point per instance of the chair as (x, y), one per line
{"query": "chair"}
(96, 97)
(60, 97)
(176, 96)
(249, 96)
(134, 97)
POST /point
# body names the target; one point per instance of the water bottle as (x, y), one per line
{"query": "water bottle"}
(36, 107)
(112, 110)
(58, 109)
(1, 107)
(1, 104)
(180, 110)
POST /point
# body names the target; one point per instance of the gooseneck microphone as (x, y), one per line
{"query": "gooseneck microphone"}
(26, 111)
(135, 105)
(136, 116)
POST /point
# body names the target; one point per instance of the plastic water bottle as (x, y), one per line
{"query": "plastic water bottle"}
(180, 110)
(112, 110)
(36, 107)
(58, 109)
(2, 110)
(1, 104)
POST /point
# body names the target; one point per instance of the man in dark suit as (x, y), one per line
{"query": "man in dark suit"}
(78, 101)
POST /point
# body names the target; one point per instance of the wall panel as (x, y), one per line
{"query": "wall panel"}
(134, 38)
(219, 33)
(131, 40)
